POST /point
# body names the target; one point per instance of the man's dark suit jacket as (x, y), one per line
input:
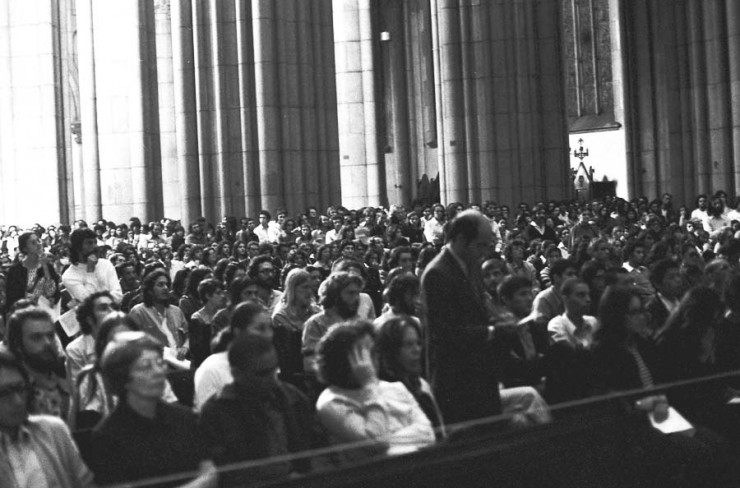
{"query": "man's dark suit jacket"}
(464, 376)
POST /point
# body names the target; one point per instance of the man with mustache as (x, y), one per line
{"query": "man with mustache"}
(31, 339)
(339, 296)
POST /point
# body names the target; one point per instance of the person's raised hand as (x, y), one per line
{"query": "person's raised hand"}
(361, 364)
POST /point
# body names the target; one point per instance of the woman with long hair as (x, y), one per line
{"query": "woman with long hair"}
(356, 405)
(688, 342)
(626, 359)
(295, 307)
(399, 346)
(33, 277)
(190, 300)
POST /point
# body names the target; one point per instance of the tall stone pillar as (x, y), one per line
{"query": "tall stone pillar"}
(127, 113)
(90, 170)
(268, 102)
(679, 83)
(186, 137)
(733, 55)
(171, 199)
(356, 101)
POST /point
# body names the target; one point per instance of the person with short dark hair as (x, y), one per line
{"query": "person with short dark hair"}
(37, 450)
(267, 231)
(665, 275)
(143, 437)
(214, 373)
(549, 302)
(201, 330)
(90, 314)
(636, 252)
(575, 327)
(258, 416)
(356, 406)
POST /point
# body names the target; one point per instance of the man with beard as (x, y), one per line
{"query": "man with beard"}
(339, 296)
(31, 339)
(87, 274)
(262, 270)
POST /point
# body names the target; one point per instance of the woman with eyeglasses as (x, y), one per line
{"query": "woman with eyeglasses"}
(145, 437)
(625, 358)
(92, 401)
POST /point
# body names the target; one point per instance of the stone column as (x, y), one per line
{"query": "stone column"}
(90, 171)
(171, 197)
(267, 99)
(356, 102)
(733, 55)
(185, 117)
(450, 118)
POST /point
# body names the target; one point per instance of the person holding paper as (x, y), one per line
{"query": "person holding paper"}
(33, 277)
(625, 358)
(158, 317)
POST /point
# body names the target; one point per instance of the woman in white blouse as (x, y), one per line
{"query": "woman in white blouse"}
(356, 406)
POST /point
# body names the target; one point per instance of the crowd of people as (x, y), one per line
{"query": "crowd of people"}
(135, 351)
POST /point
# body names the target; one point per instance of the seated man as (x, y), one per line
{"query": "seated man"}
(571, 339)
(668, 282)
(36, 450)
(32, 340)
(258, 416)
(214, 373)
(549, 303)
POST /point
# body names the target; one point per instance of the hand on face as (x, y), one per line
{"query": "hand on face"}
(361, 364)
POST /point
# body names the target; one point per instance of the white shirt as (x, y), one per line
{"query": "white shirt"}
(434, 231)
(23, 460)
(82, 284)
(211, 377)
(561, 328)
(271, 234)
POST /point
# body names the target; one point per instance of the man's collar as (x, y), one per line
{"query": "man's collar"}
(463, 265)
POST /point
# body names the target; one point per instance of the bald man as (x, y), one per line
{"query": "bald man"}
(464, 379)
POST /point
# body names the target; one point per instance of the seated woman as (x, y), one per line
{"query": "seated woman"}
(294, 308)
(33, 277)
(92, 401)
(625, 358)
(144, 437)
(356, 406)
(399, 346)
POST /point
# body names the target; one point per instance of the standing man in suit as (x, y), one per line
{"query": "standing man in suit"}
(464, 378)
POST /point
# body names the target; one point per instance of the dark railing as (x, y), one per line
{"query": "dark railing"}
(590, 443)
